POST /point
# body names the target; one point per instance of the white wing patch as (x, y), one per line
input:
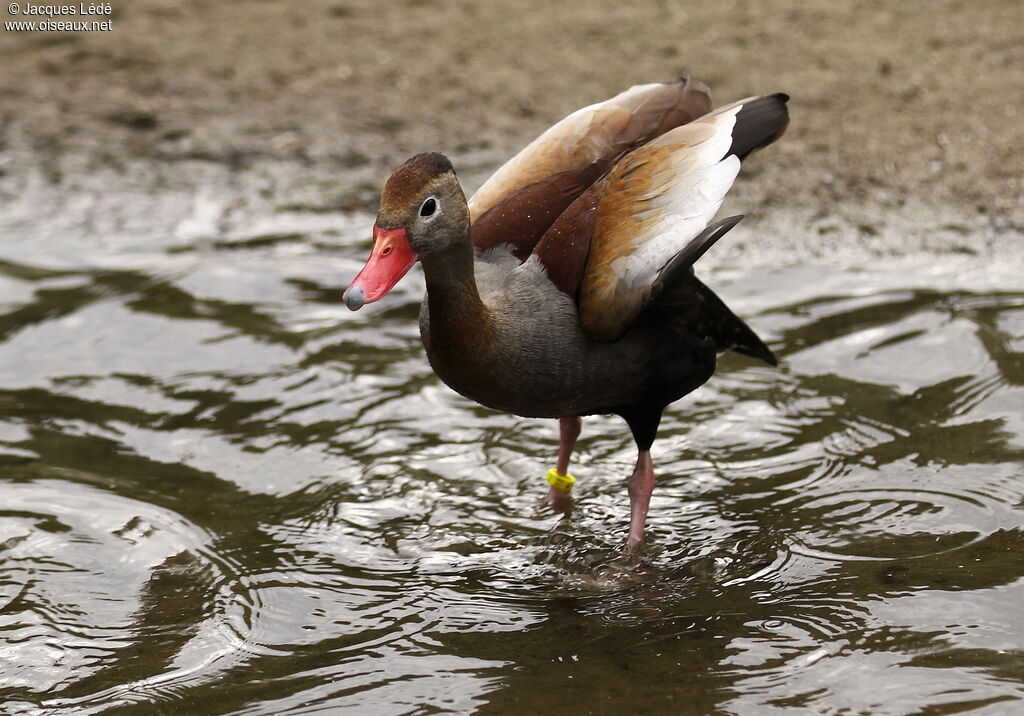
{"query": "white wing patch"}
(700, 178)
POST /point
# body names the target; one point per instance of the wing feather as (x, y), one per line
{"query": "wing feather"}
(660, 197)
(584, 146)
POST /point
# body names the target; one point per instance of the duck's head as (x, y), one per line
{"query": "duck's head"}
(422, 214)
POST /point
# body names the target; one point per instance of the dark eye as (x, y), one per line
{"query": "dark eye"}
(428, 207)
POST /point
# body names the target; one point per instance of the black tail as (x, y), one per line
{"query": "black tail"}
(730, 332)
(745, 341)
(690, 300)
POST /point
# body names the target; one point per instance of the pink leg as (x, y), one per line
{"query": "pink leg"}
(568, 431)
(641, 485)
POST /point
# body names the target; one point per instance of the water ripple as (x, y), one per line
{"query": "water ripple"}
(224, 493)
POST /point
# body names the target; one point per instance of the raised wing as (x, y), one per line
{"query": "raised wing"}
(658, 199)
(524, 197)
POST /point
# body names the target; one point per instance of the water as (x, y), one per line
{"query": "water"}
(221, 492)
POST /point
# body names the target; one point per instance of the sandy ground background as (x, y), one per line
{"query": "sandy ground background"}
(197, 119)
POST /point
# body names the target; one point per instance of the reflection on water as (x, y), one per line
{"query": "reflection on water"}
(223, 492)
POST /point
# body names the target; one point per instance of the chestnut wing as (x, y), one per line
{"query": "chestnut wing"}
(658, 199)
(534, 187)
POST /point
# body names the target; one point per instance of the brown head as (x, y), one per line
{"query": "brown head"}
(422, 213)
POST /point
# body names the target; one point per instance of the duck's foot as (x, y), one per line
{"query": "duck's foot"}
(559, 497)
(621, 573)
(559, 501)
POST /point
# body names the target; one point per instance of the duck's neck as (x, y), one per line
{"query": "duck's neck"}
(457, 313)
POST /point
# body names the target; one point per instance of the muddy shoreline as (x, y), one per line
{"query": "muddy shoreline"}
(194, 120)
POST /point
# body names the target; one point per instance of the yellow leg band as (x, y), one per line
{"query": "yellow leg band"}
(559, 481)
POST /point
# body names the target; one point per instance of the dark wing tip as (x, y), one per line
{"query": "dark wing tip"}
(759, 123)
(697, 247)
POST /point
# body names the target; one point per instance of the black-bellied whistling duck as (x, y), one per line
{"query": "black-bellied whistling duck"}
(565, 287)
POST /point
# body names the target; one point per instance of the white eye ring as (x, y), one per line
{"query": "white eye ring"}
(429, 208)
